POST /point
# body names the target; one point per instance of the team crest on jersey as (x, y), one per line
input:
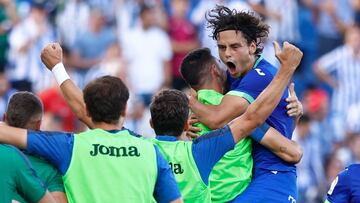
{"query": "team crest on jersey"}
(258, 70)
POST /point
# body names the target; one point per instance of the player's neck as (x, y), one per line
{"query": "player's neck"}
(183, 137)
(109, 126)
(250, 64)
(212, 86)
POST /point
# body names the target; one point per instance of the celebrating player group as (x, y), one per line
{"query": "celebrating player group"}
(229, 140)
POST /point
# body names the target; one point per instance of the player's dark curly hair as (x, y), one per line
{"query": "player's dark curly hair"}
(106, 99)
(169, 111)
(251, 26)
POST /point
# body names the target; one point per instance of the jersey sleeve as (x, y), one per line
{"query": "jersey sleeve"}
(208, 149)
(56, 147)
(259, 132)
(340, 188)
(252, 84)
(28, 185)
(166, 189)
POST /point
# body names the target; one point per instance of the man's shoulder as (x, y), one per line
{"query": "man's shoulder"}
(354, 170)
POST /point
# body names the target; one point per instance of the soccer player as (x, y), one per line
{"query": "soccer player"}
(16, 175)
(191, 162)
(25, 111)
(105, 164)
(346, 186)
(240, 36)
(232, 174)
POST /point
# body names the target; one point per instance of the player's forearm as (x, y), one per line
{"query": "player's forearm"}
(13, 136)
(281, 146)
(74, 98)
(291, 154)
(210, 115)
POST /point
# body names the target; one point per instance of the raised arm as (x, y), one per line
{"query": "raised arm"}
(52, 56)
(257, 112)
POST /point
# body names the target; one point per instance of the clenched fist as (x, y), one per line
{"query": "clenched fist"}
(289, 57)
(51, 55)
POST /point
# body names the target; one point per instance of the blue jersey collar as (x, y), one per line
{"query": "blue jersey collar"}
(166, 138)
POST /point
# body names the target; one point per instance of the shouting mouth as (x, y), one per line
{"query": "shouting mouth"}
(231, 66)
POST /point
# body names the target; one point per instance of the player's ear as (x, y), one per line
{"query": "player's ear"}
(186, 126)
(151, 123)
(123, 113)
(214, 71)
(38, 125)
(252, 47)
(4, 117)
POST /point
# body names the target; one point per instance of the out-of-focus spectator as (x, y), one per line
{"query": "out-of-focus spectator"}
(355, 148)
(344, 62)
(183, 37)
(113, 63)
(26, 40)
(356, 6)
(90, 47)
(5, 93)
(316, 105)
(353, 119)
(73, 21)
(282, 17)
(148, 52)
(8, 18)
(198, 18)
(333, 18)
(310, 170)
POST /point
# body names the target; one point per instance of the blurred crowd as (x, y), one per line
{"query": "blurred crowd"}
(144, 41)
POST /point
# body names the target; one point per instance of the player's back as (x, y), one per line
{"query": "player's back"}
(16, 175)
(180, 158)
(252, 84)
(47, 173)
(107, 167)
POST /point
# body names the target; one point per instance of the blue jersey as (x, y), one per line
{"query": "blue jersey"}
(57, 148)
(249, 87)
(346, 186)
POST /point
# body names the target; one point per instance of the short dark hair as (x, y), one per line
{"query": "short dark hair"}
(106, 99)
(22, 109)
(195, 66)
(248, 23)
(169, 112)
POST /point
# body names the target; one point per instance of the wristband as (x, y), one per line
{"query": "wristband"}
(60, 73)
(259, 133)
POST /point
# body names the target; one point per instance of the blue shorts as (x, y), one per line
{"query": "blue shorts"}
(270, 187)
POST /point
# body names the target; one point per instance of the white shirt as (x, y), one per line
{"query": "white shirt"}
(146, 52)
(27, 65)
(346, 67)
